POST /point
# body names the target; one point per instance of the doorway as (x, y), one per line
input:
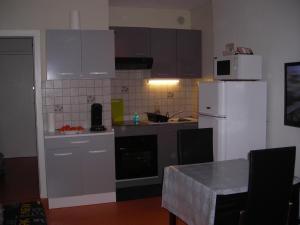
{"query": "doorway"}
(18, 137)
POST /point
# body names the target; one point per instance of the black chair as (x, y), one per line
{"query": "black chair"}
(271, 174)
(195, 146)
(2, 171)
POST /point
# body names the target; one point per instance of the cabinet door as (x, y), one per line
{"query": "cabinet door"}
(189, 53)
(98, 59)
(167, 147)
(132, 41)
(163, 51)
(64, 175)
(99, 167)
(63, 54)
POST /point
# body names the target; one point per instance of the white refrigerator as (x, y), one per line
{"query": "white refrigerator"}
(236, 111)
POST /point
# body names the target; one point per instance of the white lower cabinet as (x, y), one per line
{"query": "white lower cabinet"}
(80, 169)
(63, 172)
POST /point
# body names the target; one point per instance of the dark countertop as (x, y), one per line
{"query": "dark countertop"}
(149, 123)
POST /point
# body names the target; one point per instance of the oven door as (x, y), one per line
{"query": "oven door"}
(136, 157)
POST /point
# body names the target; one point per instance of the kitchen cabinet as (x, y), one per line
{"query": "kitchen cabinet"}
(63, 54)
(163, 51)
(98, 169)
(63, 172)
(132, 41)
(80, 54)
(176, 53)
(80, 165)
(189, 53)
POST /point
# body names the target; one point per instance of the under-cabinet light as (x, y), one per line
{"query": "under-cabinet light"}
(163, 81)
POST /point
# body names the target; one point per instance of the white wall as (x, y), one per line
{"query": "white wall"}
(147, 17)
(201, 18)
(271, 28)
(45, 14)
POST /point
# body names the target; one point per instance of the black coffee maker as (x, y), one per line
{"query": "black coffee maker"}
(96, 118)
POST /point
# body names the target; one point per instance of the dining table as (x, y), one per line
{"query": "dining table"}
(193, 192)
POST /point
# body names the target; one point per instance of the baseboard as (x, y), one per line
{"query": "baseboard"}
(81, 200)
(139, 192)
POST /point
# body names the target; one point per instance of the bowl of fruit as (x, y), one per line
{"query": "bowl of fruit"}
(67, 129)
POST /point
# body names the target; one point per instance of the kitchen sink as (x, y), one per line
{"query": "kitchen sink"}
(182, 119)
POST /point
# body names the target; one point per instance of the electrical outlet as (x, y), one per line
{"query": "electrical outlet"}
(170, 94)
(90, 99)
(58, 108)
(124, 89)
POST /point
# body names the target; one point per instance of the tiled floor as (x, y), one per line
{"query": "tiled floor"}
(20, 182)
(135, 212)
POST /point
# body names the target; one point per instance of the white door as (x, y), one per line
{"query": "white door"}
(17, 103)
(219, 141)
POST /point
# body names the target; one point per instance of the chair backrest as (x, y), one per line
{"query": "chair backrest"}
(271, 173)
(194, 146)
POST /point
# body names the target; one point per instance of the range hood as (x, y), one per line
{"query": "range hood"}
(133, 63)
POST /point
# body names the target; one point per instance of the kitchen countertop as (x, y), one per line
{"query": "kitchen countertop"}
(150, 123)
(57, 134)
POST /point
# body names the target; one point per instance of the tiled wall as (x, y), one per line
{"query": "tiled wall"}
(71, 101)
(140, 97)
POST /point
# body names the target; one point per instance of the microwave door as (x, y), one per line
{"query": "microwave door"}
(223, 68)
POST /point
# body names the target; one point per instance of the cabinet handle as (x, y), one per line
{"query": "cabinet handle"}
(62, 154)
(190, 74)
(98, 151)
(123, 149)
(66, 74)
(80, 142)
(98, 73)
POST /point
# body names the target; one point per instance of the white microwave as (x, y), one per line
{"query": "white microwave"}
(238, 67)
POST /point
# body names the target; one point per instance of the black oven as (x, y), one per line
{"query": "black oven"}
(136, 156)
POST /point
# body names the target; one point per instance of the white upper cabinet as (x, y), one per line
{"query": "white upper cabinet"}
(63, 54)
(80, 54)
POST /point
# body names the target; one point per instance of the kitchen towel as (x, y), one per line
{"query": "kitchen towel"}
(117, 110)
(51, 122)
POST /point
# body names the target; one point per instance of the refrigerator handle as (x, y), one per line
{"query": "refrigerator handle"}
(211, 115)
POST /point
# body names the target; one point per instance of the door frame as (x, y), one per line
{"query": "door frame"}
(36, 35)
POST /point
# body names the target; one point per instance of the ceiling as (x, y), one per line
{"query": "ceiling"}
(165, 4)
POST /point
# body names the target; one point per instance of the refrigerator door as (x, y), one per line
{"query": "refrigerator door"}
(246, 117)
(219, 140)
(212, 98)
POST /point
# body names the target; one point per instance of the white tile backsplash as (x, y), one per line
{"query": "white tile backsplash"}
(57, 84)
(74, 92)
(66, 84)
(82, 91)
(75, 98)
(75, 83)
(138, 96)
